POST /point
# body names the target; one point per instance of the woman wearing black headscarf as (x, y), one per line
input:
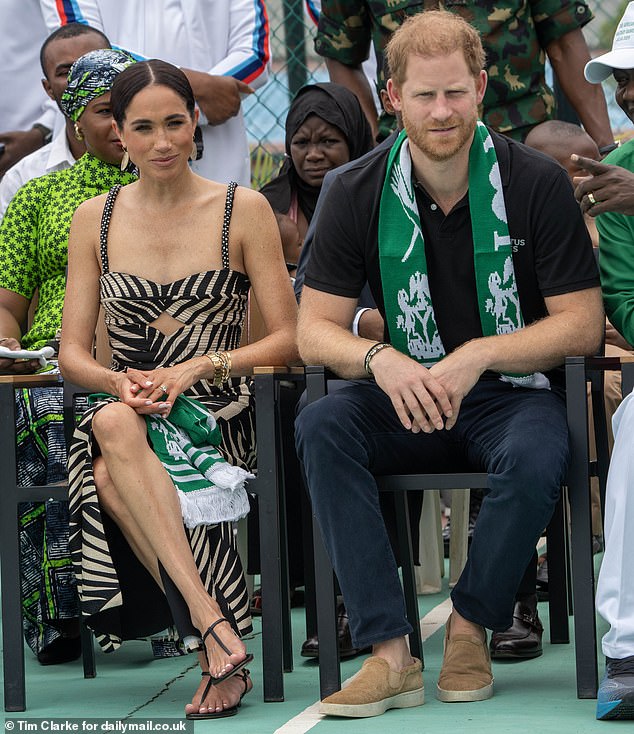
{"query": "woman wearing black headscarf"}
(325, 128)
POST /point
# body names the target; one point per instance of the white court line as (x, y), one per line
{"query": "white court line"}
(310, 716)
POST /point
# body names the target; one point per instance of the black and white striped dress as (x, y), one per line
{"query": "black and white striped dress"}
(117, 594)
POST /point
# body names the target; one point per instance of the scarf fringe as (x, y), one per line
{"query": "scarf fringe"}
(225, 501)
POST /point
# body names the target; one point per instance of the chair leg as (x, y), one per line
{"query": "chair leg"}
(557, 576)
(309, 566)
(12, 636)
(407, 570)
(287, 636)
(274, 588)
(87, 652)
(581, 533)
(329, 671)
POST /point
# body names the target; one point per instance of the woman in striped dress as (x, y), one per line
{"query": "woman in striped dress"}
(170, 261)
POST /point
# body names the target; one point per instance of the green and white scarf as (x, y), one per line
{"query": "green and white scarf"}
(209, 489)
(408, 307)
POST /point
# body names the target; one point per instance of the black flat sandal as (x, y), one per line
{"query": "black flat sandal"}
(232, 710)
(238, 666)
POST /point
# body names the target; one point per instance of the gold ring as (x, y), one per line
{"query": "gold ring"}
(591, 198)
(164, 388)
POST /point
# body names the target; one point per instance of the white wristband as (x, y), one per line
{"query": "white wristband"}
(357, 318)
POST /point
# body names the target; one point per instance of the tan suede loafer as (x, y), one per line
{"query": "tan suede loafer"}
(375, 689)
(466, 669)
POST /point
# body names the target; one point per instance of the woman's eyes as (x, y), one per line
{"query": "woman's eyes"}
(302, 142)
(145, 127)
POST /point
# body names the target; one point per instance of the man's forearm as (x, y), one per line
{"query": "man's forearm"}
(356, 81)
(323, 342)
(544, 344)
(569, 55)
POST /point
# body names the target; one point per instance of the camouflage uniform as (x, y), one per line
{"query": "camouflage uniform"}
(514, 35)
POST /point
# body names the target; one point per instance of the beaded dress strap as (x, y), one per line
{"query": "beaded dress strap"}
(231, 190)
(105, 226)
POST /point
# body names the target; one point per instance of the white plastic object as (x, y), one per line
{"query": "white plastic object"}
(40, 354)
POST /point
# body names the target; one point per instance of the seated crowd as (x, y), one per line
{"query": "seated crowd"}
(444, 274)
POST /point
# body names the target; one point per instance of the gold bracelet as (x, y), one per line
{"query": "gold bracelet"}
(228, 364)
(221, 362)
(218, 365)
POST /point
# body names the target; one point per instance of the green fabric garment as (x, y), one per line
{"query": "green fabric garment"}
(616, 255)
(210, 490)
(34, 238)
(514, 35)
(408, 306)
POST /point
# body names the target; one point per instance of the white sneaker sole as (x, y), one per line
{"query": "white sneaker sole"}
(480, 694)
(365, 710)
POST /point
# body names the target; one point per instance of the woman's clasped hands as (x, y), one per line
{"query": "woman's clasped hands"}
(153, 392)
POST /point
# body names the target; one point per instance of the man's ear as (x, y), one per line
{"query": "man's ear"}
(48, 89)
(481, 86)
(394, 93)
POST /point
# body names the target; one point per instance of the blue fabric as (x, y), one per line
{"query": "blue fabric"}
(518, 435)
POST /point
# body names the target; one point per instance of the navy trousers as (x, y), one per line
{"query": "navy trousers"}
(518, 435)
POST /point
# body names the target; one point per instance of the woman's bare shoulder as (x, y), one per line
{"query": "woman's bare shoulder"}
(251, 205)
(90, 209)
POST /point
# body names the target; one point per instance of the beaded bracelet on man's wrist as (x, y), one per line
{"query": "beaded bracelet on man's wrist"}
(374, 349)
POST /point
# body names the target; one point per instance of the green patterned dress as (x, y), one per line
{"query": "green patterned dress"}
(33, 257)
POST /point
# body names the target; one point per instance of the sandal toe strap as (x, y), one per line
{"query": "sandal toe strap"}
(210, 631)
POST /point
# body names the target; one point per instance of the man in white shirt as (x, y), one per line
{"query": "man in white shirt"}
(27, 116)
(59, 51)
(222, 46)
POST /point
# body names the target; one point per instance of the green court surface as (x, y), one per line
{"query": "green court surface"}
(535, 696)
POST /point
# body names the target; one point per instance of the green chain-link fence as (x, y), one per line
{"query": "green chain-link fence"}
(295, 63)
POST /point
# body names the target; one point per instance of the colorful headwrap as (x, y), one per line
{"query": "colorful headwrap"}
(91, 76)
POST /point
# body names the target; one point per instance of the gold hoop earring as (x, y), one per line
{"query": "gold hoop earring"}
(194, 154)
(125, 161)
(78, 133)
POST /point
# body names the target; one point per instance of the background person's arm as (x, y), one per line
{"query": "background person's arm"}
(344, 39)
(244, 68)
(354, 78)
(611, 186)
(568, 55)
(616, 262)
(18, 267)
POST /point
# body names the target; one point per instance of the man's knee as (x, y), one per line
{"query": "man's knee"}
(537, 469)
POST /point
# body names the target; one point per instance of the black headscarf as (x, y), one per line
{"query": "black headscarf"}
(338, 106)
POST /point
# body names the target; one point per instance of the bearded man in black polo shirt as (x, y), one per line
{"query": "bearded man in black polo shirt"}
(480, 263)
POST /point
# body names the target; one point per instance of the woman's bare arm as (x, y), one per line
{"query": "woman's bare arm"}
(255, 228)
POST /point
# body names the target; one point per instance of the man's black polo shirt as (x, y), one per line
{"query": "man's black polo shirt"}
(552, 252)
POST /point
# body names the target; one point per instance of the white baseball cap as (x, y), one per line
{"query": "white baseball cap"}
(622, 54)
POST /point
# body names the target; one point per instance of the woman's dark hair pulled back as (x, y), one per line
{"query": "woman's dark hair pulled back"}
(145, 74)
